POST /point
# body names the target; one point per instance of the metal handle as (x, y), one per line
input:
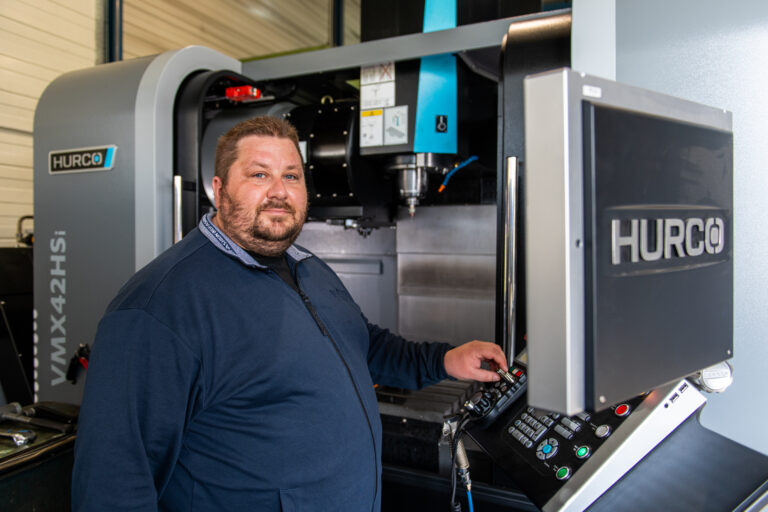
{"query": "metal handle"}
(177, 188)
(510, 255)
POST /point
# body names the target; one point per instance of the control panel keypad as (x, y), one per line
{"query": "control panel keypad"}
(558, 445)
(486, 405)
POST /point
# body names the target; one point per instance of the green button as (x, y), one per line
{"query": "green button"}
(582, 452)
(563, 473)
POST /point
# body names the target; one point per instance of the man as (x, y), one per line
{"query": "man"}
(235, 372)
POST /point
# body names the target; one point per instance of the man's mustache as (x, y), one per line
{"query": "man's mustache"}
(274, 203)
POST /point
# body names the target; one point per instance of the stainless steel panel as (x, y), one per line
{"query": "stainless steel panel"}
(448, 230)
(464, 276)
(320, 237)
(366, 265)
(355, 266)
(447, 273)
(449, 319)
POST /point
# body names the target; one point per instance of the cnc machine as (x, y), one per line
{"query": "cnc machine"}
(583, 225)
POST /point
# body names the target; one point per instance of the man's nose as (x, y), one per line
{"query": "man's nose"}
(277, 189)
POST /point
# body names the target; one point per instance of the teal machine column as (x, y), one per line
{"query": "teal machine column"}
(408, 111)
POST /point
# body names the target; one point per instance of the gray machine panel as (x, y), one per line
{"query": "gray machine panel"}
(460, 39)
(96, 228)
(558, 236)
(84, 235)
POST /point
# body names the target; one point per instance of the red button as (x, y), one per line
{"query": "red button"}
(518, 373)
(622, 410)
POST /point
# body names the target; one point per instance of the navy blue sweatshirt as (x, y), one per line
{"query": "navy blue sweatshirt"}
(213, 385)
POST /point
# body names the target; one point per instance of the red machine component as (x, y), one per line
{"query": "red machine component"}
(242, 93)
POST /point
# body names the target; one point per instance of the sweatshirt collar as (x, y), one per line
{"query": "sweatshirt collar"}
(229, 247)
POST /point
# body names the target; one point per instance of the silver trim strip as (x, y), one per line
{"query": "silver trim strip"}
(510, 258)
(177, 228)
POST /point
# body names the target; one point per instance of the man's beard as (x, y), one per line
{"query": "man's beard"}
(256, 232)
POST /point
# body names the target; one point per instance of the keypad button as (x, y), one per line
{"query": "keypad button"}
(563, 431)
(603, 431)
(573, 425)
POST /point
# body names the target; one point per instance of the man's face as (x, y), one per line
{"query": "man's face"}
(263, 205)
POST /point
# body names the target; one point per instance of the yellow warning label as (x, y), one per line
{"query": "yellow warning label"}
(369, 113)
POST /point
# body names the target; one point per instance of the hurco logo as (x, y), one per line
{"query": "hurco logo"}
(665, 238)
(100, 158)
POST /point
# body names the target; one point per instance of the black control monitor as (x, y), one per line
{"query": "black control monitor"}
(629, 239)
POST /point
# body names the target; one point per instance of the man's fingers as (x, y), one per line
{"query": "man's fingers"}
(483, 375)
(464, 361)
(492, 352)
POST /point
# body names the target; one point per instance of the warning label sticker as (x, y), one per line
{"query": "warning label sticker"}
(377, 85)
(371, 128)
(378, 73)
(396, 125)
(377, 95)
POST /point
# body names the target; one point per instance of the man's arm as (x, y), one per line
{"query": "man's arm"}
(140, 382)
(394, 361)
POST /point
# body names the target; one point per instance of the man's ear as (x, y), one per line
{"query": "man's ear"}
(216, 184)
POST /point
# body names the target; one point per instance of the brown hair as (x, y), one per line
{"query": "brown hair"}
(226, 150)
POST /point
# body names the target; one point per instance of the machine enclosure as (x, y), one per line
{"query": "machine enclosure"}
(94, 228)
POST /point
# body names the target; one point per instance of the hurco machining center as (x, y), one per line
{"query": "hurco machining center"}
(464, 183)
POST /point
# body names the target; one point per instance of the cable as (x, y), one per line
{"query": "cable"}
(453, 171)
(455, 507)
(462, 423)
(469, 499)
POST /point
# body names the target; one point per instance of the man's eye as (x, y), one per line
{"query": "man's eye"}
(258, 175)
(292, 177)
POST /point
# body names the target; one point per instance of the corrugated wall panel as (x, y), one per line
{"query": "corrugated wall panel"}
(235, 29)
(39, 40)
(72, 26)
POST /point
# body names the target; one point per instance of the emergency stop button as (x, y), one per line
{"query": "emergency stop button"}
(622, 410)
